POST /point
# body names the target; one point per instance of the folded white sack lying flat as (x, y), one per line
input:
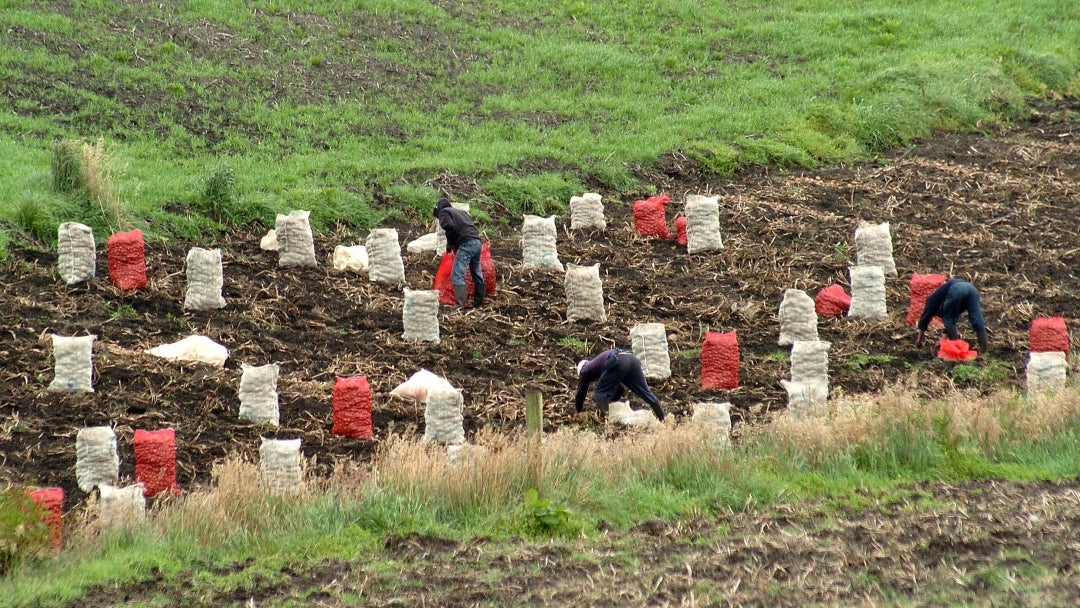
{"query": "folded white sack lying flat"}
(428, 242)
(193, 348)
(354, 258)
(619, 412)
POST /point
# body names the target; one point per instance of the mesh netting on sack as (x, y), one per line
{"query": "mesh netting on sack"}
(703, 223)
(204, 279)
(832, 301)
(445, 288)
(587, 212)
(73, 364)
(810, 362)
(650, 218)
(258, 393)
(155, 461)
(1048, 334)
(121, 507)
(720, 360)
(867, 293)
(51, 503)
(955, 350)
(443, 418)
(798, 317)
(385, 264)
(1046, 371)
(127, 260)
(806, 399)
(76, 252)
(584, 293)
(716, 417)
(96, 459)
(873, 247)
(420, 315)
(352, 408)
(680, 230)
(650, 344)
(920, 287)
(279, 466)
(296, 245)
(538, 247)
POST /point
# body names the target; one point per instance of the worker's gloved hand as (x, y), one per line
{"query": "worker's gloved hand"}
(984, 343)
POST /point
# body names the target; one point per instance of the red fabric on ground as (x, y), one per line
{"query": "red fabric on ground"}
(51, 500)
(649, 217)
(1048, 334)
(920, 287)
(720, 360)
(127, 260)
(832, 301)
(352, 408)
(955, 350)
(155, 461)
(680, 230)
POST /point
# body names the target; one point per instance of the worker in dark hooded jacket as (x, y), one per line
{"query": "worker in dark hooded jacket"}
(952, 299)
(614, 371)
(463, 239)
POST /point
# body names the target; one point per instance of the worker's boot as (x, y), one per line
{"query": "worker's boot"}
(984, 343)
(461, 295)
(478, 297)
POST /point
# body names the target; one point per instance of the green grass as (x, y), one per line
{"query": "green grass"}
(324, 105)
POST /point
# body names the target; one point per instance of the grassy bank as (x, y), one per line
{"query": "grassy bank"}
(360, 111)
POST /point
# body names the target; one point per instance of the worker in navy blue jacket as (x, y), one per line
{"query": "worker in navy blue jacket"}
(614, 371)
(952, 299)
(463, 239)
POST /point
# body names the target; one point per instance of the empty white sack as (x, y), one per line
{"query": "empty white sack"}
(716, 418)
(426, 243)
(280, 470)
(443, 418)
(96, 459)
(584, 293)
(204, 279)
(867, 293)
(73, 364)
(76, 252)
(258, 393)
(420, 315)
(650, 344)
(798, 318)
(873, 247)
(702, 223)
(1046, 372)
(121, 507)
(619, 412)
(193, 348)
(384, 256)
(269, 241)
(538, 247)
(353, 258)
(587, 211)
(296, 246)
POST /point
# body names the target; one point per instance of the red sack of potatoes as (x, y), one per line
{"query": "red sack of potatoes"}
(445, 288)
(920, 288)
(649, 217)
(832, 301)
(720, 360)
(955, 350)
(352, 408)
(680, 230)
(127, 260)
(155, 461)
(1048, 334)
(51, 501)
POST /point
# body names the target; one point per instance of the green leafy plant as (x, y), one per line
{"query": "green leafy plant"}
(579, 346)
(544, 517)
(860, 361)
(218, 192)
(779, 356)
(121, 311)
(991, 372)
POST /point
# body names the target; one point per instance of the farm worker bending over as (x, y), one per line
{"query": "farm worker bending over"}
(463, 239)
(614, 371)
(949, 302)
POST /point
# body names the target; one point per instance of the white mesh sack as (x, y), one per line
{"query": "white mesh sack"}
(205, 279)
(466, 454)
(296, 246)
(420, 315)
(384, 256)
(353, 258)
(806, 399)
(649, 343)
(443, 418)
(121, 507)
(619, 412)
(798, 318)
(873, 246)
(702, 223)
(810, 362)
(867, 293)
(538, 235)
(269, 241)
(76, 253)
(73, 364)
(1046, 372)
(584, 293)
(280, 470)
(96, 459)
(440, 234)
(587, 211)
(716, 417)
(258, 393)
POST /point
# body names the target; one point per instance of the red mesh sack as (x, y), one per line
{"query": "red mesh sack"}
(920, 288)
(720, 360)
(446, 288)
(155, 461)
(352, 408)
(832, 301)
(1048, 334)
(955, 350)
(127, 260)
(51, 501)
(487, 268)
(442, 279)
(649, 217)
(680, 230)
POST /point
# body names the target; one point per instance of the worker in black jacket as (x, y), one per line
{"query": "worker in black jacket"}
(463, 239)
(614, 371)
(952, 299)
